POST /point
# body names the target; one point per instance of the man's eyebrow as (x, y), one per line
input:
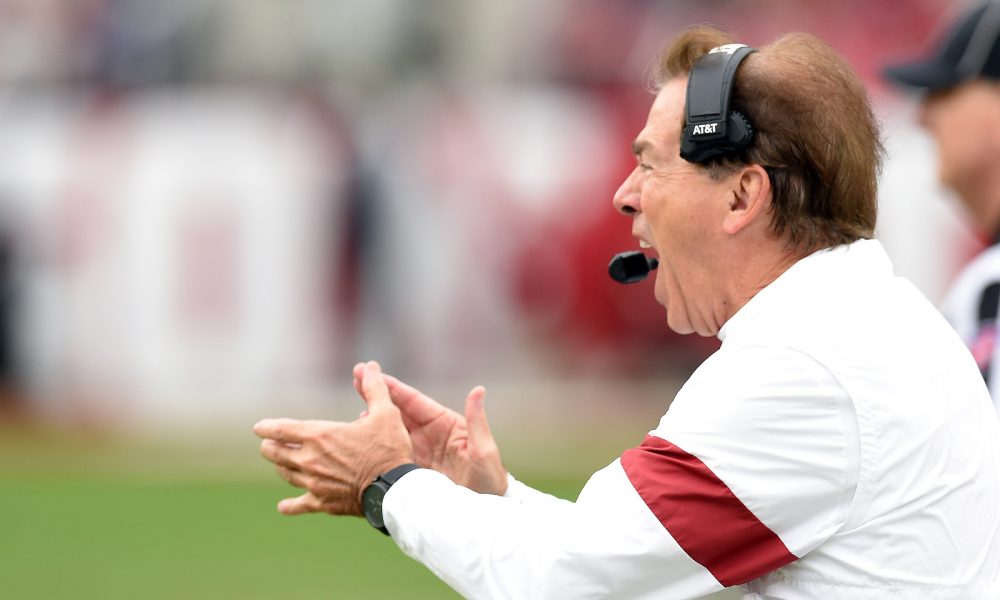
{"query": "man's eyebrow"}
(638, 147)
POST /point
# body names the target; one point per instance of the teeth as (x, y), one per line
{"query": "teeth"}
(644, 244)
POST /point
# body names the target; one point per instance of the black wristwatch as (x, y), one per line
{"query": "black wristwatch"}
(371, 498)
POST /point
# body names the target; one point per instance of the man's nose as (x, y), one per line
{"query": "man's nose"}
(626, 199)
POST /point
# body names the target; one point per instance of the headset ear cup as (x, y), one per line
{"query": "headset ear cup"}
(739, 131)
(739, 134)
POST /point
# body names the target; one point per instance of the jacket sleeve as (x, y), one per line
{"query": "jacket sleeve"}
(606, 544)
(709, 499)
(525, 494)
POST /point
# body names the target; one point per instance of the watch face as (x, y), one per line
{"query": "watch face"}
(371, 505)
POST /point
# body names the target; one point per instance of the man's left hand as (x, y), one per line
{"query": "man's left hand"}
(335, 461)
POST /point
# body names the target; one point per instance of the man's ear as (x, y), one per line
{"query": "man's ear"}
(750, 201)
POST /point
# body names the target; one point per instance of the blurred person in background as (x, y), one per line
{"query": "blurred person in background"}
(961, 110)
(840, 443)
(8, 397)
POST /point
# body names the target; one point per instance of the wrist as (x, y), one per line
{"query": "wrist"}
(374, 493)
(504, 483)
(375, 469)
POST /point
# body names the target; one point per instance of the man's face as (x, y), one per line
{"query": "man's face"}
(677, 209)
(965, 124)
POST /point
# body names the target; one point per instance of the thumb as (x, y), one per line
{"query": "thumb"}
(373, 388)
(475, 416)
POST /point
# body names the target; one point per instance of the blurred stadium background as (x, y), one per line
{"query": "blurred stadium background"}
(210, 209)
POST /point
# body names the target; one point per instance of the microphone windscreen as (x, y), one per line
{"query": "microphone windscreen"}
(631, 267)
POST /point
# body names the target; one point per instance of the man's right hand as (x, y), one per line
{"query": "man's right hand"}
(461, 447)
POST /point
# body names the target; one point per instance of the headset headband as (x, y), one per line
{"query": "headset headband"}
(710, 129)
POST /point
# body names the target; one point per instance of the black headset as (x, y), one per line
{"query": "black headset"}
(710, 128)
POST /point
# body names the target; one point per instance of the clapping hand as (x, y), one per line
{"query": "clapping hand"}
(461, 447)
(335, 461)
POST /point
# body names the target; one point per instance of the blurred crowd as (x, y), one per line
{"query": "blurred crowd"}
(207, 205)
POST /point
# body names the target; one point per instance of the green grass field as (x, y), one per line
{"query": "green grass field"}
(87, 516)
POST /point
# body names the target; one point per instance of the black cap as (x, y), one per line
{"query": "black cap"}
(970, 50)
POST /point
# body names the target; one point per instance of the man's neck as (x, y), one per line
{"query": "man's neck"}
(760, 267)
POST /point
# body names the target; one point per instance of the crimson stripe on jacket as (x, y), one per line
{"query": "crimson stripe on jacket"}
(702, 514)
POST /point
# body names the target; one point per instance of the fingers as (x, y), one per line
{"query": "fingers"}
(416, 407)
(300, 505)
(296, 478)
(282, 430)
(475, 416)
(373, 387)
(311, 503)
(359, 375)
(325, 490)
(322, 494)
(279, 454)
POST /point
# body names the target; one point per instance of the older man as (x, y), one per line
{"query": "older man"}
(840, 444)
(961, 110)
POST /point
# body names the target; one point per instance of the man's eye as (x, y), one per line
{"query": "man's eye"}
(645, 167)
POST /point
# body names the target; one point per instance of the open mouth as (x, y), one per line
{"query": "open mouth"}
(645, 246)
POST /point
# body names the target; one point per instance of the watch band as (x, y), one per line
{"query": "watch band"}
(392, 475)
(372, 496)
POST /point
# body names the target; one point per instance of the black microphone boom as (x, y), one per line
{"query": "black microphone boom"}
(631, 267)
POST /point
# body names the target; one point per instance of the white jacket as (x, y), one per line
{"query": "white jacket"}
(840, 444)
